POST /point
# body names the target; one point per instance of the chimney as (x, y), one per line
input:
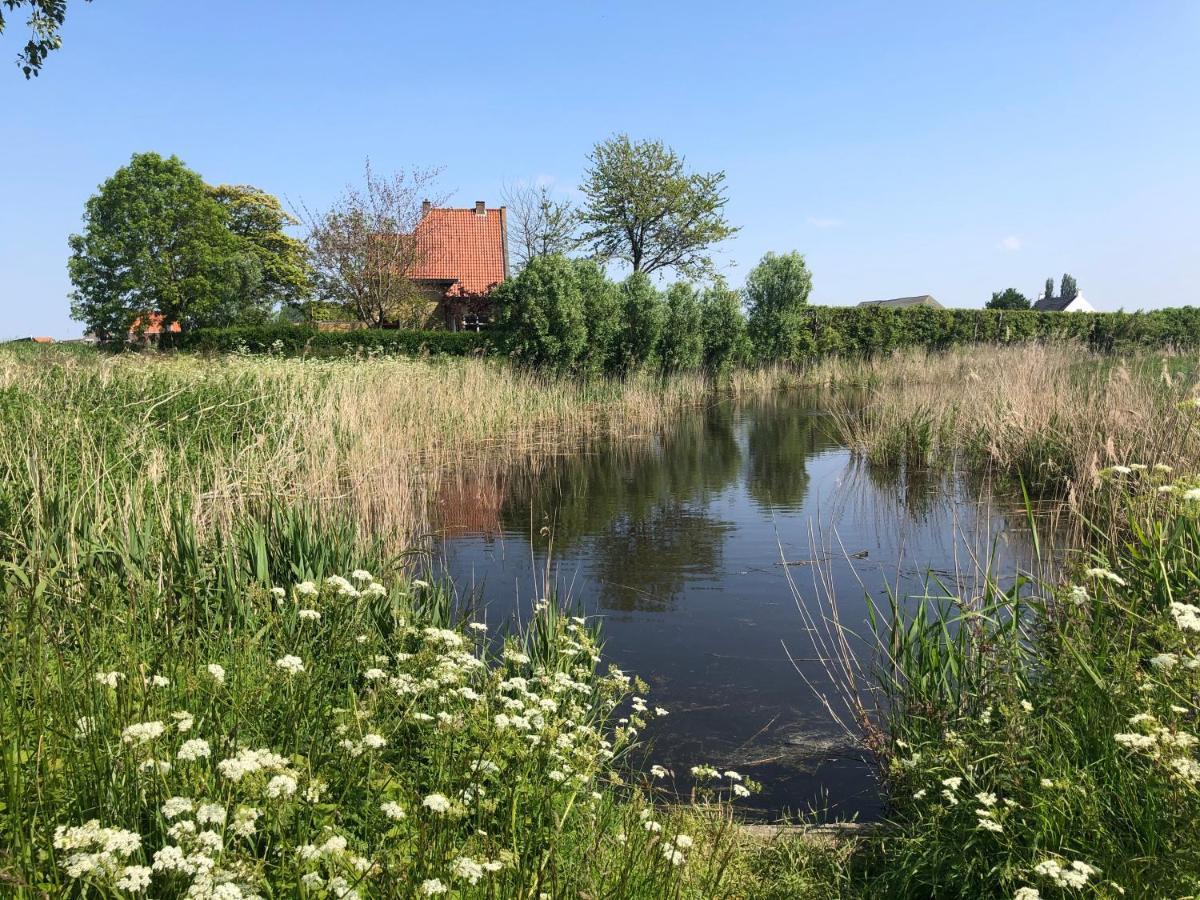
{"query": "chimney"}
(480, 208)
(425, 207)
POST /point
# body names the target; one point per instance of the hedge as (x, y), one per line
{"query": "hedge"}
(295, 340)
(851, 331)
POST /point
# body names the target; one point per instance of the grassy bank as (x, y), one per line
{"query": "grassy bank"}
(219, 679)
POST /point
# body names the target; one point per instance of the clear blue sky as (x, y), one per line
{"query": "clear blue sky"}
(951, 148)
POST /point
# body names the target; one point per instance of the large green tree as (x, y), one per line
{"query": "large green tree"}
(45, 18)
(644, 208)
(157, 242)
(259, 220)
(1009, 298)
(776, 293)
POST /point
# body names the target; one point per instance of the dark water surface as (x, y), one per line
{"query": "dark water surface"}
(678, 546)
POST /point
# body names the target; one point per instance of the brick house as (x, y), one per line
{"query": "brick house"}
(463, 256)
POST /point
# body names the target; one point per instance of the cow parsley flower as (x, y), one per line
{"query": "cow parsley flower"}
(431, 886)
(307, 589)
(196, 748)
(293, 665)
(438, 803)
(467, 869)
(1027, 893)
(361, 575)
(281, 786)
(135, 879)
(393, 810)
(217, 672)
(143, 732)
(110, 679)
(158, 681)
(1164, 661)
(1186, 616)
(310, 615)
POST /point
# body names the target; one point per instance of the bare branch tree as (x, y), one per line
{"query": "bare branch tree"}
(366, 246)
(538, 225)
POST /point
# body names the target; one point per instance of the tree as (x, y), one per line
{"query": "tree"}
(643, 208)
(539, 225)
(681, 344)
(1049, 293)
(45, 19)
(602, 313)
(364, 247)
(1010, 298)
(258, 219)
(156, 242)
(540, 313)
(723, 324)
(776, 293)
(1068, 290)
(642, 316)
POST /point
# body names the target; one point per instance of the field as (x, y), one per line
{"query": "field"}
(225, 677)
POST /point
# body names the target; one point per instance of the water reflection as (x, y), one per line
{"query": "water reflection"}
(679, 544)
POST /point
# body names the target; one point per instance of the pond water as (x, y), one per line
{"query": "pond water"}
(682, 545)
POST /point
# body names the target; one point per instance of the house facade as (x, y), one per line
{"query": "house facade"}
(463, 256)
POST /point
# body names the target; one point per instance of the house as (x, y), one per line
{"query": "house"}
(152, 331)
(905, 302)
(1057, 304)
(463, 256)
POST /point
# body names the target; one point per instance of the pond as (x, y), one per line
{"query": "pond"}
(681, 546)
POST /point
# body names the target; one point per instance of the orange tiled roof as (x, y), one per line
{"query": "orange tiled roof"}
(154, 325)
(462, 246)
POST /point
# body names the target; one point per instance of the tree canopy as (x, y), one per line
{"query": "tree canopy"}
(258, 219)
(644, 208)
(158, 241)
(776, 294)
(1009, 298)
(45, 19)
(1068, 289)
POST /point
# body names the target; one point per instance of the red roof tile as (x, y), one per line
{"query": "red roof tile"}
(463, 246)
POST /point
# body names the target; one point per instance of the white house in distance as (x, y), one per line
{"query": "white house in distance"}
(1057, 304)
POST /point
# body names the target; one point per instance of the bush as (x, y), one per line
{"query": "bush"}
(541, 314)
(723, 327)
(681, 344)
(602, 316)
(642, 319)
(776, 293)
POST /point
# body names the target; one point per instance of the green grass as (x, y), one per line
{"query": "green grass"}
(149, 510)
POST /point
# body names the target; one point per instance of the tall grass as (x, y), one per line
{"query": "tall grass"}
(216, 679)
(1054, 415)
(1038, 738)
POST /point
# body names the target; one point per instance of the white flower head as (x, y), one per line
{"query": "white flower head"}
(293, 665)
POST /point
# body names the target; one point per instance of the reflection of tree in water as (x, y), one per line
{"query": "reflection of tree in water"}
(642, 563)
(642, 507)
(781, 438)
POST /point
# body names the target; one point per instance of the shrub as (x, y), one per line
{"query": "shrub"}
(642, 318)
(541, 319)
(602, 316)
(681, 344)
(723, 327)
(776, 295)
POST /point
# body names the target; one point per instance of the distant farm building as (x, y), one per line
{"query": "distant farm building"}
(152, 330)
(1058, 304)
(905, 302)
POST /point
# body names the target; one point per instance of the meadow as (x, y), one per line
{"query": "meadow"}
(224, 675)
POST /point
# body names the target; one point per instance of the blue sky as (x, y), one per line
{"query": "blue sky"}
(948, 148)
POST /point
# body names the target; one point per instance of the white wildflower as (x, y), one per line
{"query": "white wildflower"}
(217, 672)
(196, 748)
(293, 665)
